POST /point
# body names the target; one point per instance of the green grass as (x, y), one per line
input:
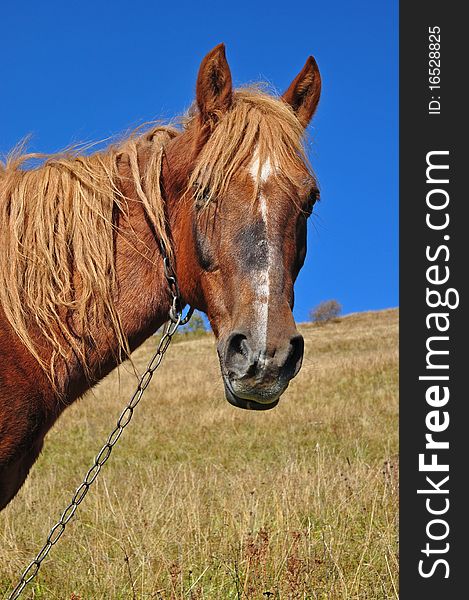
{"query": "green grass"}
(201, 500)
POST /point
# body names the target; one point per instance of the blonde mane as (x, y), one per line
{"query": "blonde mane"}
(57, 231)
(58, 220)
(257, 124)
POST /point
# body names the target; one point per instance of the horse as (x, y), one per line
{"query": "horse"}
(225, 195)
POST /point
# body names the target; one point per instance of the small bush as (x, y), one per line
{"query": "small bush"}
(196, 325)
(325, 311)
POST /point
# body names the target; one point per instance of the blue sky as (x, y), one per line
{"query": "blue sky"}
(81, 71)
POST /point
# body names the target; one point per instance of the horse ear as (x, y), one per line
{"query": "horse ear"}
(214, 90)
(304, 92)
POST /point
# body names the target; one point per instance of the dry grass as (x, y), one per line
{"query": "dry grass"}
(204, 501)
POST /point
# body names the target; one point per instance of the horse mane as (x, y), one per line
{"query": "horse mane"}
(58, 219)
(258, 124)
(57, 229)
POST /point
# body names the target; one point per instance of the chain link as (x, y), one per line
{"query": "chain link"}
(175, 320)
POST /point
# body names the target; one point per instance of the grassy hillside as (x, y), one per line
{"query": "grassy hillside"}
(203, 500)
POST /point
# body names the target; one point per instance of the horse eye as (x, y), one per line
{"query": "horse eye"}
(202, 195)
(313, 197)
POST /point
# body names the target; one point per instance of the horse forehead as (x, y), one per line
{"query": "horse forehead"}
(262, 170)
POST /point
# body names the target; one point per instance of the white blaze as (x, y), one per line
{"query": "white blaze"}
(262, 285)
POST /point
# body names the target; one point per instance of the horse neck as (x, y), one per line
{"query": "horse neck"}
(180, 214)
(142, 300)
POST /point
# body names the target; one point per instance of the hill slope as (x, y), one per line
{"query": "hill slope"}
(202, 500)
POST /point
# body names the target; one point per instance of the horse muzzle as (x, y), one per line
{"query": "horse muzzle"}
(255, 378)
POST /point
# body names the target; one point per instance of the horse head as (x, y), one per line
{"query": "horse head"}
(239, 191)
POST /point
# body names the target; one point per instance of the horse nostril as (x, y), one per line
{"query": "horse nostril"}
(237, 357)
(295, 356)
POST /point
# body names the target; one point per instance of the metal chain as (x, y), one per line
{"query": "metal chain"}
(175, 320)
